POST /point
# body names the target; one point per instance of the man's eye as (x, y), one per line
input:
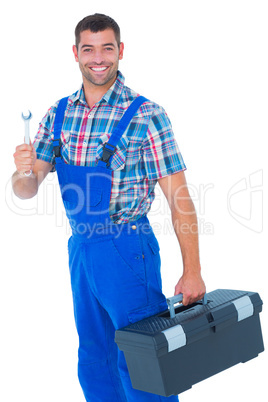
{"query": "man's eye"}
(109, 48)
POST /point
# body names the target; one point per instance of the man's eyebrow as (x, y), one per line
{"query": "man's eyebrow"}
(108, 44)
(104, 45)
(86, 46)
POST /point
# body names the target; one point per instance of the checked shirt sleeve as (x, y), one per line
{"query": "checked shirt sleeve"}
(42, 142)
(162, 156)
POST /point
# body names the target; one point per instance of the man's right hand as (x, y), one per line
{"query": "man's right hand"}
(25, 158)
(26, 186)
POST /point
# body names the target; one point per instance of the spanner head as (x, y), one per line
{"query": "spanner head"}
(27, 117)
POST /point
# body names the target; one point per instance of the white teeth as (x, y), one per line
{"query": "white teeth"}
(98, 68)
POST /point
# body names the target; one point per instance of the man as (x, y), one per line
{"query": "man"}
(110, 147)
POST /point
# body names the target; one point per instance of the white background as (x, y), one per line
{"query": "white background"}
(206, 63)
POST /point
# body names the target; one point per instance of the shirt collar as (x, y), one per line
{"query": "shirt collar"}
(111, 96)
(79, 96)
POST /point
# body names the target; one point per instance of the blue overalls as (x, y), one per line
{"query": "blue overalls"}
(114, 269)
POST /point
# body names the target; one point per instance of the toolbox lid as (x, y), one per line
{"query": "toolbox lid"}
(163, 334)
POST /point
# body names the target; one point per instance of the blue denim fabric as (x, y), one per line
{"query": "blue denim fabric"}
(115, 281)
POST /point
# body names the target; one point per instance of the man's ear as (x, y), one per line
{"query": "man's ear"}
(121, 50)
(75, 52)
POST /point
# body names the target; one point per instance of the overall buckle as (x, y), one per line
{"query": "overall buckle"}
(57, 148)
(107, 153)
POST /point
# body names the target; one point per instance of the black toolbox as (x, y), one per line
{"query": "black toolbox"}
(166, 356)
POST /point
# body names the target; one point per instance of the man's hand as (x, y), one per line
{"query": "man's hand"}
(25, 158)
(192, 286)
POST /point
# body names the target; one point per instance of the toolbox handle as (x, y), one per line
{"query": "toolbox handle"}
(171, 301)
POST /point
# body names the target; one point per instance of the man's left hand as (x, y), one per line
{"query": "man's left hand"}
(192, 286)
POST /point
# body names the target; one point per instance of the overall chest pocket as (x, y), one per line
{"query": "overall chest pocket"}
(79, 196)
(118, 160)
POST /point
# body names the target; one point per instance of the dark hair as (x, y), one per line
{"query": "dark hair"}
(96, 23)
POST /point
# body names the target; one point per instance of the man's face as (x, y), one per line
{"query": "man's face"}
(98, 56)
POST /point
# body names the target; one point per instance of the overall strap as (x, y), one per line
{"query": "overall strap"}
(58, 125)
(109, 148)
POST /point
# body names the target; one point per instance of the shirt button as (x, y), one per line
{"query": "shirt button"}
(84, 143)
(133, 227)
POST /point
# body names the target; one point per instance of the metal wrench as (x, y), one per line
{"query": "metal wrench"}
(27, 128)
(27, 134)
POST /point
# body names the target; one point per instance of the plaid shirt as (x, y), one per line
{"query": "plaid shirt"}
(146, 152)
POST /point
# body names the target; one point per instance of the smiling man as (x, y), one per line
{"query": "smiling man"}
(98, 54)
(110, 147)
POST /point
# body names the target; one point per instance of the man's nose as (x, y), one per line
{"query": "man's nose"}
(98, 57)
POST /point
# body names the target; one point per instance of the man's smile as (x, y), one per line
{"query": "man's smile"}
(98, 69)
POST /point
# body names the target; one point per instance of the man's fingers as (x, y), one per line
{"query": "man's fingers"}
(24, 147)
(24, 157)
(186, 300)
(192, 298)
